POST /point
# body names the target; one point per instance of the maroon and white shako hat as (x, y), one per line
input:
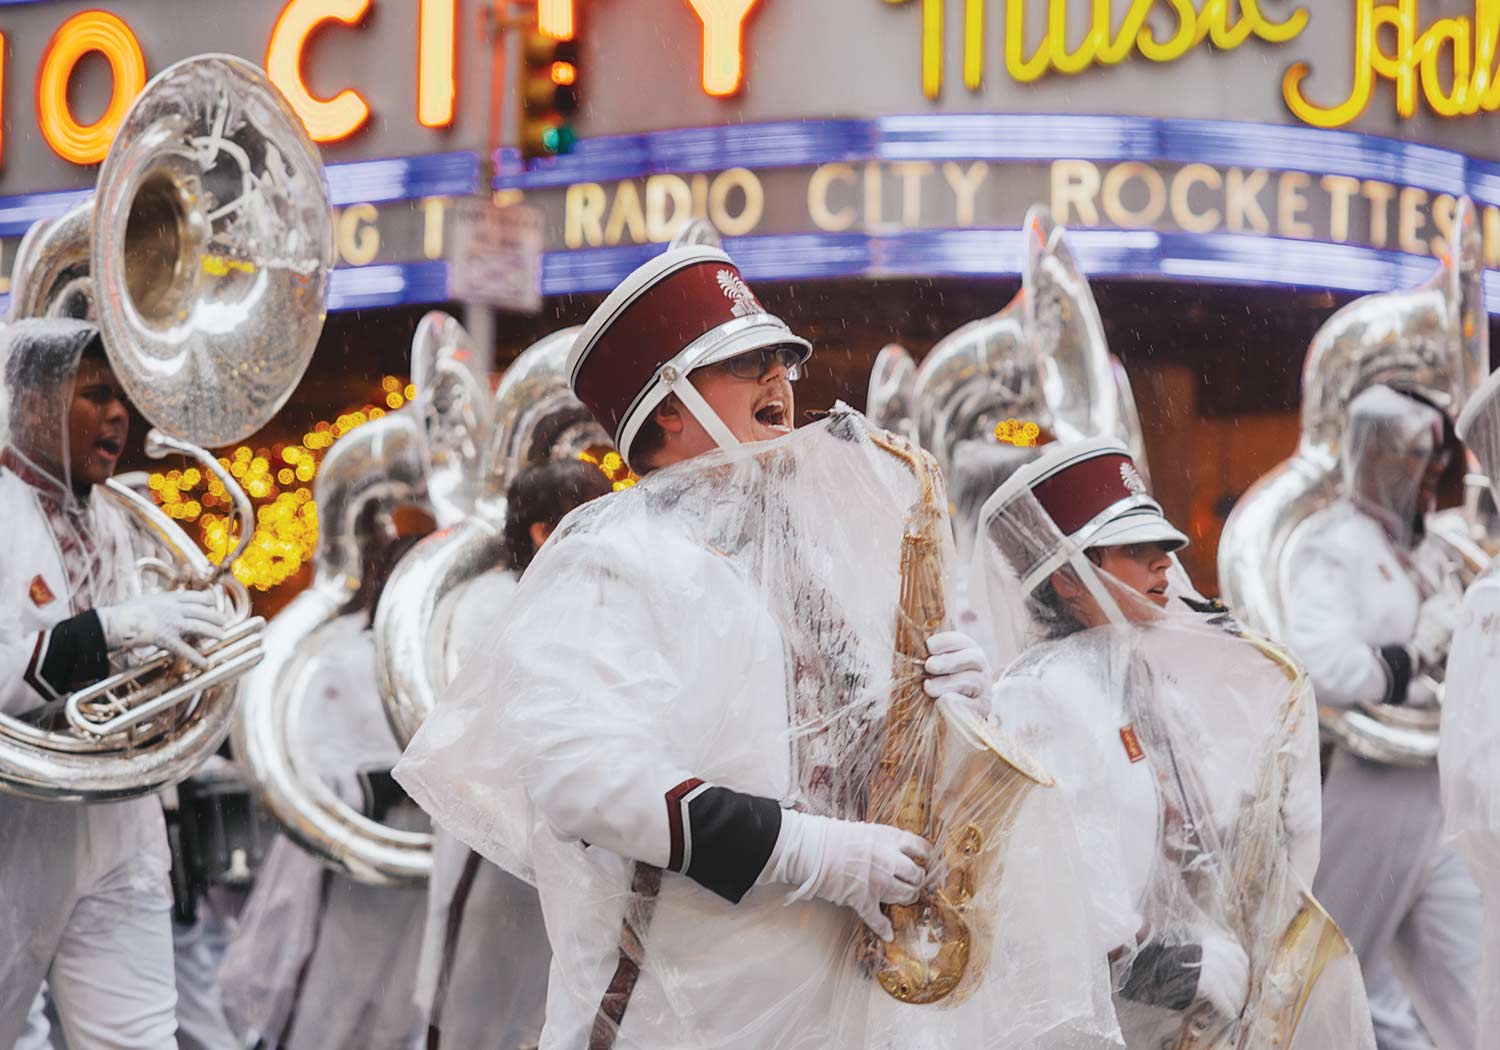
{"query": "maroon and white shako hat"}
(1093, 495)
(684, 309)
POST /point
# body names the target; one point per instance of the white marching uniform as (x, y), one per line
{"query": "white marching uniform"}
(482, 979)
(85, 901)
(649, 696)
(1471, 774)
(1063, 701)
(320, 961)
(1403, 899)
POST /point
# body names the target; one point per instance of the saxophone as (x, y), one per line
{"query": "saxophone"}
(939, 945)
(1281, 980)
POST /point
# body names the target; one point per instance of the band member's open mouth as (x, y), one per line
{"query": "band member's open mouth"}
(111, 447)
(773, 415)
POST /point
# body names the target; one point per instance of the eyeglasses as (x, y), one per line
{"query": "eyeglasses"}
(756, 363)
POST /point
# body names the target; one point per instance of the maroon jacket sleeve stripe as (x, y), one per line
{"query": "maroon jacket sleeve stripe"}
(69, 655)
(720, 838)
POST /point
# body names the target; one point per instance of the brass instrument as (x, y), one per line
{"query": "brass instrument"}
(939, 947)
(203, 255)
(1282, 983)
(535, 418)
(1433, 339)
(1043, 359)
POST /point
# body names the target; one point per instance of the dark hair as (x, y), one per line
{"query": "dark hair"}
(1052, 617)
(545, 493)
(649, 440)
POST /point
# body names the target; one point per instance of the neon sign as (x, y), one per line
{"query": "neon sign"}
(1416, 62)
(1227, 23)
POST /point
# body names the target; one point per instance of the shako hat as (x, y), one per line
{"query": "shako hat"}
(1094, 496)
(684, 309)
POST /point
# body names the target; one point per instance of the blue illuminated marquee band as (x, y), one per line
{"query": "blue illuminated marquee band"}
(1008, 137)
(1217, 258)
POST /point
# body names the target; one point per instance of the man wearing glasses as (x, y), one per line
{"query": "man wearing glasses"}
(686, 681)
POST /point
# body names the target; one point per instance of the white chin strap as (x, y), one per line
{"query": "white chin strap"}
(677, 382)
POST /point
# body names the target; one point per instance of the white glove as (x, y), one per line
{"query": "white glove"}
(848, 862)
(957, 665)
(1224, 975)
(1436, 621)
(166, 619)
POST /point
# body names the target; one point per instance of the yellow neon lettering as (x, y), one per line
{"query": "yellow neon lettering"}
(583, 215)
(669, 206)
(554, 18)
(327, 120)
(1380, 195)
(1341, 190)
(435, 62)
(973, 45)
(911, 173)
(965, 188)
(1075, 186)
(1443, 207)
(824, 216)
(90, 31)
(744, 180)
(1182, 207)
(1242, 201)
(358, 236)
(723, 43)
(1291, 202)
(434, 210)
(627, 214)
(1121, 214)
(1415, 63)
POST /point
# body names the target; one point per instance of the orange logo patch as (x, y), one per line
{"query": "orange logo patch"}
(40, 593)
(1132, 744)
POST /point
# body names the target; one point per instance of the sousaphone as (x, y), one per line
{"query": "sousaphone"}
(1432, 339)
(204, 256)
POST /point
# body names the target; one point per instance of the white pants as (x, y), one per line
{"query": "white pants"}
(199, 949)
(1407, 904)
(85, 906)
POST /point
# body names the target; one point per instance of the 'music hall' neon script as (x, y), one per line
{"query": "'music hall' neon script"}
(1451, 62)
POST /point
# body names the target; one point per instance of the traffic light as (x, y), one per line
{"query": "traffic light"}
(549, 96)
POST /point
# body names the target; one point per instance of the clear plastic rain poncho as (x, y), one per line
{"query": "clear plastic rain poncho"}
(66, 552)
(1469, 747)
(320, 960)
(1188, 753)
(1390, 441)
(736, 617)
(40, 359)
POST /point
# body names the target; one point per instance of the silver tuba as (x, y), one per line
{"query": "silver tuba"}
(378, 466)
(1433, 339)
(536, 419)
(204, 256)
(1041, 361)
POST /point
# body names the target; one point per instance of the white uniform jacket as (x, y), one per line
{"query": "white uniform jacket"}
(53, 855)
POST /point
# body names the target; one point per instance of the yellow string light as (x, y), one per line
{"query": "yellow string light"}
(277, 481)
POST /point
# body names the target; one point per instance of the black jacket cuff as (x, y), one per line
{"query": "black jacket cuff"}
(1396, 660)
(721, 839)
(1164, 975)
(67, 656)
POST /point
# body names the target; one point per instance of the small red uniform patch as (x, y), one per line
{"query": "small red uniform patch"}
(1132, 744)
(40, 593)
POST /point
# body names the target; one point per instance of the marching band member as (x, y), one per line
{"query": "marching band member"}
(1188, 753)
(482, 980)
(1467, 765)
(84, 896)
(321, 961)
(672, 730)
(1368, 617)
